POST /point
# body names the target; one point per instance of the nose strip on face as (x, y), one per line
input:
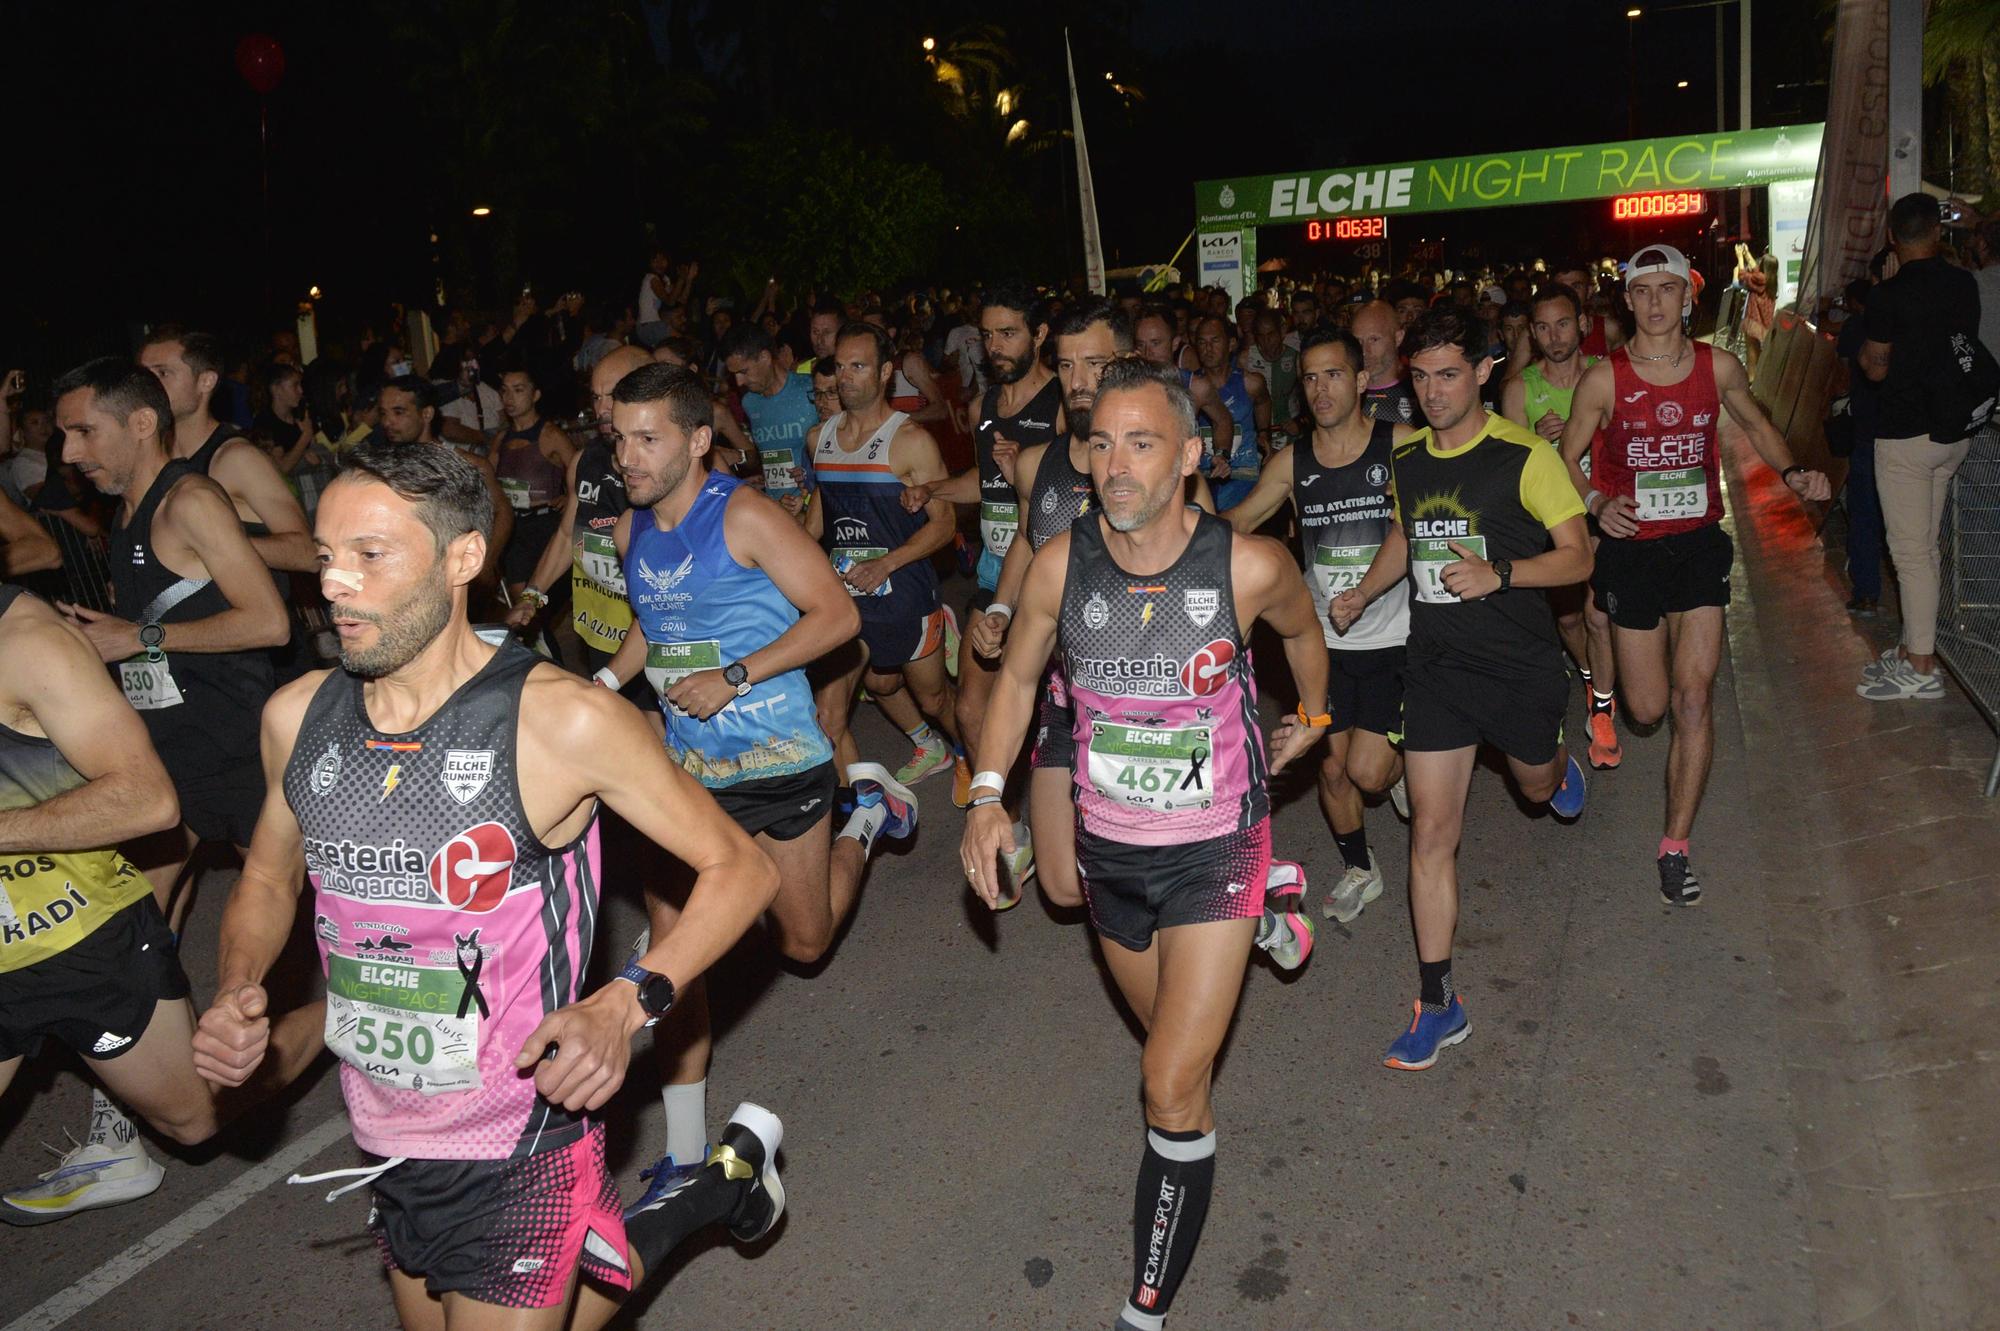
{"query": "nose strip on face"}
(341, 577)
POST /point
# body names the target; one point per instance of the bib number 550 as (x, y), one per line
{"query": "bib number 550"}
(393, 1039)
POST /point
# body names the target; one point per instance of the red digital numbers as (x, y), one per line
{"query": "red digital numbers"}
(1348, 228)
(1650, 207)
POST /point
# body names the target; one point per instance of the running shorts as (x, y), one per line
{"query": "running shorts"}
(1637, 582)
(1055, 726)
(892, 645)
(785, 807)
(1135, 891)
(223, 806)
(1448, 708)
(504, 1232)
(1364, 689)
(98, 996)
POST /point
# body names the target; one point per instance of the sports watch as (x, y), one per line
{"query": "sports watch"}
(152, 637)
(737, 676)
(656, 991)
(1505, 569)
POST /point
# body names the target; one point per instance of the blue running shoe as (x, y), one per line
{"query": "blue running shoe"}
(662, 1179)
(1417, 1048)
(873, 785)
(1567, 802)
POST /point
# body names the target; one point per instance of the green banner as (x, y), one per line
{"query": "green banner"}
(1496, 180)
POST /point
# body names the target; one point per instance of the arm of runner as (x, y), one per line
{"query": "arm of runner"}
(556, 555)
(234, 1033)
(1270, 588)
(732, 441)
(503, 515)
(1514, 400)
(1549, 495)
(630, 658)
(1222, 424)
(242, 468)
(960, 489)
(589, 744)
(1741, 404)
(1273, 488)
(1386, 571)
(1260, 403)
(29, 549)
(1010, 710)
(51, 682)
(1589, 412)
(914, 456)
(918, 371)
(557, 446)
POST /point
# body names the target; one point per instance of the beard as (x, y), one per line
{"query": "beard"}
(1149, 509)
(401, 633)
(1079, 416)
(1007, 370)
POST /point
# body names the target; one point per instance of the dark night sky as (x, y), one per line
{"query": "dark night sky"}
(130, 124)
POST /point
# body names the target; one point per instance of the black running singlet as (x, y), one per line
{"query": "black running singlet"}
(1034, 423)
(1060, 495)
(1344, 516)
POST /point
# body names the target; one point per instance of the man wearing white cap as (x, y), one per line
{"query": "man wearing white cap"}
(1655, 488)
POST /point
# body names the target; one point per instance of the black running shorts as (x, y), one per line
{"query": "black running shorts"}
(1055, 726)
(98, 996)
(1446, 708)
(224, 806)
(894, 644)
(1638, 582)
(1364, 689)
(1135, 891)
(784, 808)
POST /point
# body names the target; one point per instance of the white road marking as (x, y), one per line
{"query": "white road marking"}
(79, 1296)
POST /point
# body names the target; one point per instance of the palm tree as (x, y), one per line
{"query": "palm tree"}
(1962, 51)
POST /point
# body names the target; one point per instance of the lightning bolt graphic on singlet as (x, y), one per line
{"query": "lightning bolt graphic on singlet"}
(390, 779)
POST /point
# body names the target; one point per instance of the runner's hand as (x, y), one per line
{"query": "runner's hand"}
(232, 1037)
(1294, 737)
(987, 634)
(1005, 451)
(1345, 608)
(988, 834)
(915, 497)
(594, 1045)
(1619, 517)
(865, 576)
(1218, 468)
(793, 504)
(1811, 485)
(522, 615)
(115, 639)
(1550, 426)
(702, 694)
(1471, 577)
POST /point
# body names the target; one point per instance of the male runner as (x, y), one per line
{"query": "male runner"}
(1248, 400)
(189, 365)
(1022, 409)
(864, 457)
(1153, 603)
(734, 600)
(85, 955)
(442, 797)
(1385, 395)
(1482, 523)
(1653, 410)
(531, 458)
(1269, 354)
(409, 415)
(780, 408)
(1153, 338)
(1338, 481)
(1539, 398)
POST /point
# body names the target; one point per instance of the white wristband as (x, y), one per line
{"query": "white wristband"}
(1594, 494)
(606, 678)
(1000, 608)
(992, 780)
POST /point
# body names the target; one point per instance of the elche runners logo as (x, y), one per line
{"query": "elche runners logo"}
(474, 870)
(1208, 669)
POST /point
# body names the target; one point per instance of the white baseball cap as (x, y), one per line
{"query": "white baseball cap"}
(1659, 259)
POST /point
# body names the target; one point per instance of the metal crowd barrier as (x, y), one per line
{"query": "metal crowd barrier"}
(1968, 639)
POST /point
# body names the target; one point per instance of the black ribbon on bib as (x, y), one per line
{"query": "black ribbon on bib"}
(470, 972)
(1196, 761)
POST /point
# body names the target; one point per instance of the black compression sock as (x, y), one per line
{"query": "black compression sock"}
(1434, 980)
(1353, 847)
(657, 1231)
(1176, 1176)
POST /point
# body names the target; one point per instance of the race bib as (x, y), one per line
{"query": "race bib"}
(1340, 568)
(148, 685)
(516, 491)
(998, 521)
(412, 1027)
(1160, 768)
(846, 557)
(668, 663)
(597, 562)
(1666, 495)
(1430, 557)
(779, 464)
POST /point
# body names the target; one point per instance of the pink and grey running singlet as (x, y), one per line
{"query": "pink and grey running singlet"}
(447, 929)
(1168, 745)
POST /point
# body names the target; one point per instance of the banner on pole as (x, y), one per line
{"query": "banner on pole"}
(1850, 201)
(1086, 194)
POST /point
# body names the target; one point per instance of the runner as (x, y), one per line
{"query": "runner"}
(1277, 360)
(780, 408)
(734, 601)
(531, 460)
(1650, 418)
(1152, 604)
(1022, 409)
(1386, 395)
(1478, 503)
(1539, 398)
(409, 415)
(85, 955)
(1338, 481)
(441, 796)
(1153, 338)
(864, 457)
(1248, 400)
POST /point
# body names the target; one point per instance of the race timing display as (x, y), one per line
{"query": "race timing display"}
(1349, 228)
(1651, 207)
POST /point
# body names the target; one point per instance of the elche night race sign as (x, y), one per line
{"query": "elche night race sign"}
(1689, 164)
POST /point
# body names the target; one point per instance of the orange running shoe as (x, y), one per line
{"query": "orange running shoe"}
(1604, 750)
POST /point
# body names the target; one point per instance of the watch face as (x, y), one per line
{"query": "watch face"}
(151, 635)
(656, 994)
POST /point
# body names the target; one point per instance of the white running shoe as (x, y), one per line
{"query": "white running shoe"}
(1399, 799)
(1891, 657)
(1356, 888)
(86, 1177)
(1900, 681)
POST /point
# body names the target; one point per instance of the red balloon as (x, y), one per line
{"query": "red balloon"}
(261, 62)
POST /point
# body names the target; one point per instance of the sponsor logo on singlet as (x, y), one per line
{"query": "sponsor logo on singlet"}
(1201, 604)
(466, 772)
(474, 869)
(1208, 669)
(1667, 413)
(326, 772)
(850, 531)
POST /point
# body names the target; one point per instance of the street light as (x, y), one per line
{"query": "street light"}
(930, 44)
(482, 211)
(1634, 12)
(1682, 84)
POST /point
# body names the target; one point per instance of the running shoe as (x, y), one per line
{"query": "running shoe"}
(1605, 752)
(1356, 888)
(1863, 607)
(1019, 866)
(661, 1180)
(1417, 1048)
(925, 760)
(1399, 798)
(1678, 885)
(961, 781)
(873, 785)
(1285, 931)
(1901, 681)
(749, 1150)
(1891, 657)
(85, 1177)
(1567, 802)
